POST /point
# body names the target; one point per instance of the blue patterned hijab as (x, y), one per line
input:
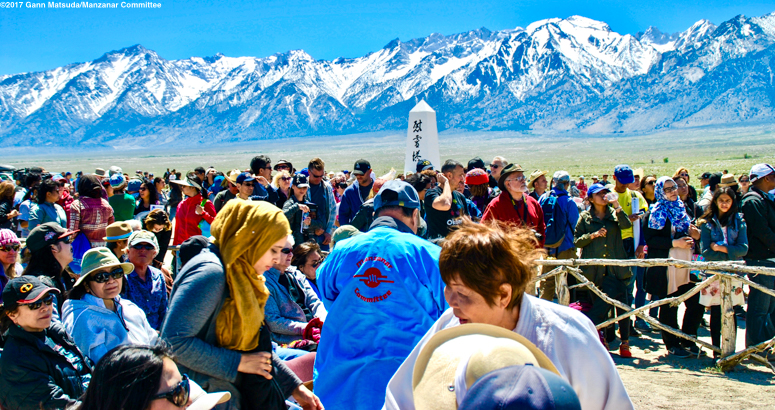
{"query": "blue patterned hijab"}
(665, 209)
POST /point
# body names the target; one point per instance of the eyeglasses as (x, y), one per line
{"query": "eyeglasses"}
(494, 166)
(47, 300)
(671, 189)
(282, 167)
(316, 263)
(286, 251)
(102, 277)
(651, 182)
(517, 179)
(143, 246)
(8, 248)
(250, 184)
(179, 394)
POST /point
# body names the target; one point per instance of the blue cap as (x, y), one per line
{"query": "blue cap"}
(595, 188)
(623, 174)
(134, 185)
(304, 171)
(116, 180)
(397, 192)
(520, 387)
(423, 164)
(245, 177)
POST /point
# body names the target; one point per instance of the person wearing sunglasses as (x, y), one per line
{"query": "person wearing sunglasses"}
(296, 208)
(246, 182)
(282, 183)
(229, 190)
(148, 196)
(322, 194)
(41, 367)
(292, 304)
(50, 252)
(356, 194)
(146, 285)
(307, 259)
(670, 233)
(744, 181)
(496, 167)
(514, 206)
(145, 378)
(215, 320)
(261, 167)
(9, 257)
(96, 316)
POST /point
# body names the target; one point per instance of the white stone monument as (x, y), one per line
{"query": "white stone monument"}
(422, 137)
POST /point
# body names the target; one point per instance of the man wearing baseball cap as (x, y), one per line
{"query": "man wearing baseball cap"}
(245, 185)
(383, 291)
(356, 194)
(145, 285)
(759, 213)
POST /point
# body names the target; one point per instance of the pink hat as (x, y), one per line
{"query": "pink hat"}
(8, 237)
(477, 176)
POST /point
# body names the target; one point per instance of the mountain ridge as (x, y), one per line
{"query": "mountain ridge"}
(572, 74)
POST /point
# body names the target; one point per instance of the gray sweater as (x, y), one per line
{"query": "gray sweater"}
(196, 299)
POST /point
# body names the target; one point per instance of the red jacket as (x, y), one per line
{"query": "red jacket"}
(502, 209)
(187, 221)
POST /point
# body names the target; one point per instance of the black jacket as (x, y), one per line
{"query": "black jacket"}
(6, 207)
(34, 376)
(659, 243)
(759, 214)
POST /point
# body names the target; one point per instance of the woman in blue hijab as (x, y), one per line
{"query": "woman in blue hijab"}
(668, 230)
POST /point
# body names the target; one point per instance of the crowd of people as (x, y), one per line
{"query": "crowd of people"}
(273, 288)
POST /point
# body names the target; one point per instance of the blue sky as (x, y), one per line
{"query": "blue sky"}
(41, 39)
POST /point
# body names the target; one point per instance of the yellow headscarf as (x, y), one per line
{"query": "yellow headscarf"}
(244, 231)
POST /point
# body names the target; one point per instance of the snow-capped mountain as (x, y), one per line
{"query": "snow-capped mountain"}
(572, 74)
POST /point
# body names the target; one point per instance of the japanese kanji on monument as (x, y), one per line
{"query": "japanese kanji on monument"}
(422, 137)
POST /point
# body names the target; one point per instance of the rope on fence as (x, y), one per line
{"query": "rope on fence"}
(719, 270)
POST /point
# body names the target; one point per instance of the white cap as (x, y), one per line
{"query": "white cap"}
(202, 400)
(760, 171)
(561, 176)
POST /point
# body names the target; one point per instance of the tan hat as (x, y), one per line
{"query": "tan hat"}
(117, 231)
(727, 181)
(639, 172)
(232, 177)
(98, 258)
(534, 176)
(455, 358)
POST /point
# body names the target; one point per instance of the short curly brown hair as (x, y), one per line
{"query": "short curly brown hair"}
(484, 256)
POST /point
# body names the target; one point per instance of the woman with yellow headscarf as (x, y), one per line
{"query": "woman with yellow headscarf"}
(215, 320)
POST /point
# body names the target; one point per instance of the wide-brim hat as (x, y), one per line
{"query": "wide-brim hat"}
(188, 182)
(727, 181)
(534, 177)
(99, 258)
(283, 162)
(458, 356)
(232, 177)
(117, 231)
(510, 169)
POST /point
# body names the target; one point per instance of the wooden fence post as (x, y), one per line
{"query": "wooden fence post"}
(728, 328)
(563, 294)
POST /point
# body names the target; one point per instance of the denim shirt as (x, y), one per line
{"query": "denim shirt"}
(286, 319)
(150, 295)
(736, 240)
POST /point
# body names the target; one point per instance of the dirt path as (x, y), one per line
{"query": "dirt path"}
(657, 381)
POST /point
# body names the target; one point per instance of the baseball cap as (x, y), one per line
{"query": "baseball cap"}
(475, 162)
(595, 188)
(361, 167)
(301, 181)
(423, 164)
(116, 180)
(521, 387)
(134, 185)
(397, 192)
(706, 175)
(455, 358)
(202, 400)
(57, 177)
(624, 174)
(561, 176)
(22, 290)
(143, 237)
(760, 171)
(245, 177)
(45, 234)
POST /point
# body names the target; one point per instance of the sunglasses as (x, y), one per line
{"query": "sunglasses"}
(280, 167)
(683, 175)
(745, 180)
(69, 239)
(250, 184)
(142, 189)
(102, 277)
(651, 182)
(8, 248)
(316, 263)
(286, 251)
(144, 246)
(179, 394)
(671, 189)
(48, 300)
(316, 176)
(494, 166)
(286, 178)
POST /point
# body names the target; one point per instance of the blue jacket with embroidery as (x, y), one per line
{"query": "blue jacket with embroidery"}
(383, 291)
